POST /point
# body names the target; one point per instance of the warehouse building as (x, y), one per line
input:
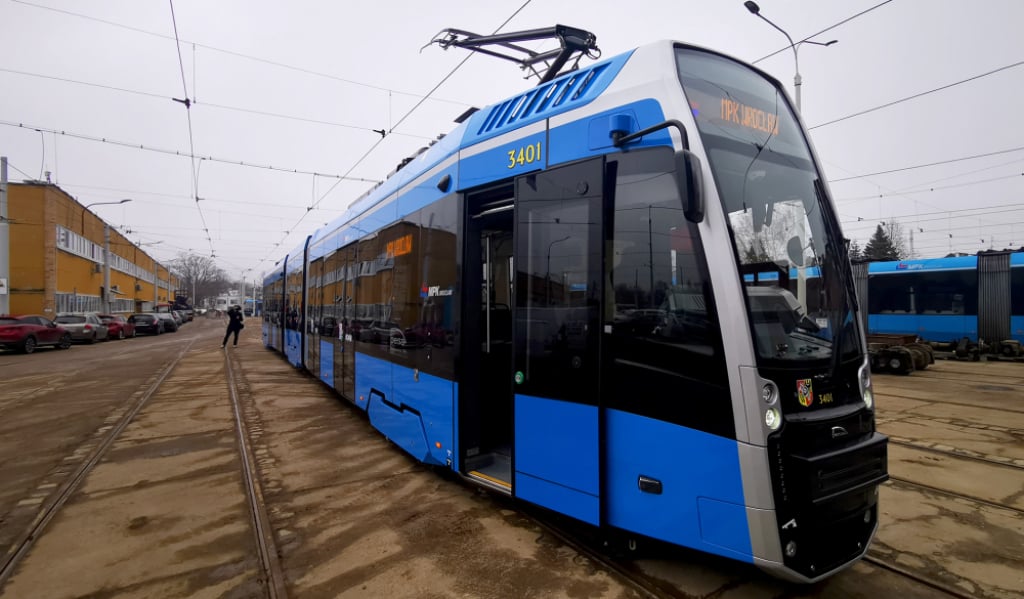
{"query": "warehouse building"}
(64, 258)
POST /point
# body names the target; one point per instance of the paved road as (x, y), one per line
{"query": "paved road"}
(165, 512)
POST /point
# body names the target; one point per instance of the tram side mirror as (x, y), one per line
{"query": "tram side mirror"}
(690, 183)
(795, 251)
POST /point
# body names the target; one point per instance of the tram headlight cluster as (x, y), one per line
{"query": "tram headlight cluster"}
(770, 396)
(865, 386)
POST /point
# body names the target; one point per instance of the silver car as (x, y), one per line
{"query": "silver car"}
(84, 327)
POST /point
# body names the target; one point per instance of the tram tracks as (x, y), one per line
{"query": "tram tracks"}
(116, 444)
(941, 449)
(654, 589)
(906, 482)
(889, 393)
(52, 504)
(878, 562)
(272, 572)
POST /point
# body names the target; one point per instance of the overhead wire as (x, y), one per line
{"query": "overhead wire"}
(185, 197)
(11, 164)
(399, 122)
(917, 95)
(231, 52)
(829, 28)
(931, 189)
(187, 103)
(937, 163)
(182, 154)
(195, 102)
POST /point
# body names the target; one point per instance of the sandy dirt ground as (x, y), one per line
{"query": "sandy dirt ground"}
(164, 513)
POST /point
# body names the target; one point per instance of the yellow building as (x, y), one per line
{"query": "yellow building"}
(57, 258)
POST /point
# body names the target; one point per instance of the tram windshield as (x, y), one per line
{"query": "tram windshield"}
(785, 236)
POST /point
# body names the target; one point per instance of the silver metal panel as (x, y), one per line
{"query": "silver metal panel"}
(778, 570)
(737, 340)
(994, 297)
(764, 535)
(860, 281)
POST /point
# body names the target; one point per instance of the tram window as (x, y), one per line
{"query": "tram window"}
(314, 296)
(889, 294)
(1017, 291)
(665, 332)
(293, 301)
(558, 273)
(950, 292)
(421, 250)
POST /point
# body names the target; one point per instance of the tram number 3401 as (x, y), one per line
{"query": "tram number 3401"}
(524, 155)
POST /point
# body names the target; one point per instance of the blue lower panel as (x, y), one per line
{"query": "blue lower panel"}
(701, 501)
(556, 456)
(272, 336)
(327, 362)
(432, 398)
(371, 373)
(1017, 328)
(413, 409)
(401, 426)
(930, 327)
(293, 346)
(570, 502)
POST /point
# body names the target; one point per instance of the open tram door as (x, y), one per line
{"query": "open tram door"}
(533, 386)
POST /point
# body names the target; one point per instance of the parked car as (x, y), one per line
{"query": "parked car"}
(118, 327)
(83, 326)
(381, 332)
(147, 324)
(26, 333)
(178, 318)
(170, 324)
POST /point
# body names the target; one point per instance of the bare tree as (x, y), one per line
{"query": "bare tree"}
(768, 244)
(898, 238)
(199, 274)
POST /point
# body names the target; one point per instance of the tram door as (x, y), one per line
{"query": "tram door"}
(485, 387)
(556, 331)
(345, 301)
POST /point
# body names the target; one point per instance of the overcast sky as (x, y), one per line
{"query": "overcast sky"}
(302, 85)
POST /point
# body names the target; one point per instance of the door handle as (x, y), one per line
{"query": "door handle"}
(649, 485)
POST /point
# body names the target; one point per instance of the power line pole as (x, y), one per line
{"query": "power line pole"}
(5, 242)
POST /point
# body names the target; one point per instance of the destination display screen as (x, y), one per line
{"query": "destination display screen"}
(735, 102)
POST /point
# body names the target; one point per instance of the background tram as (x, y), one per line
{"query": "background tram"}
(579, 298)
(947, 299)
(938, 299)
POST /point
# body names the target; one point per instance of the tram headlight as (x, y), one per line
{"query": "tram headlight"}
(865, 386)
(791, 549)
(772, 419)
(769, 394)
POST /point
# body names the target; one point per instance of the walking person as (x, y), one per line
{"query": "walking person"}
(234, 325)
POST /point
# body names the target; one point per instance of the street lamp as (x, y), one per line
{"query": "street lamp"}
(797, 81)
(106, 250)
(547, 273)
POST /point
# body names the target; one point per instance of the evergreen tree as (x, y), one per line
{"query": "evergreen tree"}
(756, 255)
(881, 247)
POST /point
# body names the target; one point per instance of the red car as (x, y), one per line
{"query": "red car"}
(26, 333)
(118, 327)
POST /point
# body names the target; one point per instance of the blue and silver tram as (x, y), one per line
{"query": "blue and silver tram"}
(580, 298)
(947, 299)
